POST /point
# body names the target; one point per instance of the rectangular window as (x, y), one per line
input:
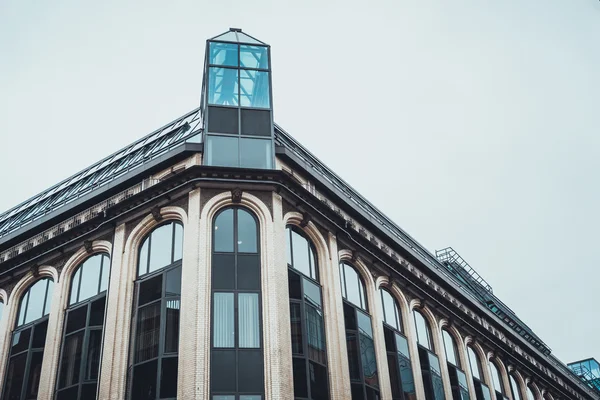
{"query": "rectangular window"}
(223, 86)
(254, 88)
(248, 320)
(256, 153)
(222, 151)
(223, 325)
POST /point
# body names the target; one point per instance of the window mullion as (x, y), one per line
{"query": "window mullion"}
(304, 330)
(84, 349)
(161, 333)
(27, 364)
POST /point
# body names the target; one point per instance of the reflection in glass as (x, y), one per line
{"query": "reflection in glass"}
(90, 277)
(354, 287)
(530, 395)
(450, 348)
(33, 303)
(255, 153)
(496, 381)
(222, 151)
(254, 89)
(160, 247)
(223, 231)
(423, 332)
(254, 57)
(474, 363)
(391, 316)
(247, 241)
(367, 349)
(301, 260)
(515, 388)
(223, 54)
(223, 86)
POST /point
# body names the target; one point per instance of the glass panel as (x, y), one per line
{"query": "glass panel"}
(223, 86)
(300, 381)
(49, 296)
(390, 309)
(71, 360)
(296, 324)
(20, 341)
(222, 151)
(223, 232)
(250, 371)
(486, 392)
(352, 282)
(312, 293)
(223, 374)
(75, 286)
(406, 376)
(450, 348)
(313, 264)
(229, 36)
(250, 397)
(173, 282)
(92, 365)
(402, 346)
(223, 271)
(248, 320)
(105, 273)
(90, 278)
(315, 334)
(462, 379)
(256, 153)
(178, 255)
(147, 332)
(172, 325)
(15, 376)
(150, 290)
(143, 261)
(223, 325)
(223, 397)
(254, 57)
(144, 381)
(37, 296)
(254, 88)
(530, 395)
(76, 319)
(35, 370)
(223, 54)
(423, 336)
(301, 257)
(97, 312)
(515, 388)
(246, 226)
(161, 244)
(39, 335)
(22, 309)
(367, 349)
(318, 381)
(474, 363)
(496, 381)
(168, 380)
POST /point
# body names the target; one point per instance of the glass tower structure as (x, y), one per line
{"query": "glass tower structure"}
(237, 102)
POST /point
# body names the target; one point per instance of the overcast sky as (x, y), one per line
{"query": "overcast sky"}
(470, 123)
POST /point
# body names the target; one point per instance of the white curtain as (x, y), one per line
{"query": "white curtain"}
(223, 329)
(248, 320)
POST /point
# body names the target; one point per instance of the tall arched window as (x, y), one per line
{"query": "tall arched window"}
(153, 369)
(306, 316)
(237, 348)
(430, 364)
(359, 336)
(28, 340)
(481, 390)
(497, 381)
(514, 387)
(80, 361)
(458, 379)
(398, 356)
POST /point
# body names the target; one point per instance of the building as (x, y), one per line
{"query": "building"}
(216, 258)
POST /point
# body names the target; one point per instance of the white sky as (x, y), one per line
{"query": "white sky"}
(470, 123)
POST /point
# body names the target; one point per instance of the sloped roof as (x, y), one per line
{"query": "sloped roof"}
(235, 35)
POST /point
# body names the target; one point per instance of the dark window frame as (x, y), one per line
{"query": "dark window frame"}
(478, 382)
(302, 306)
(163, 302)
(236, 349)
(31, 326)
(432, 380)
(455, 371)
(500, 395)
(80, 276)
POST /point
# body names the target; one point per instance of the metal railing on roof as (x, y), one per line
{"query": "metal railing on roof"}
(450, 255)
(102, 172)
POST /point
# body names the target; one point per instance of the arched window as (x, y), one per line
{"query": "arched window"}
(359, 336)
(430, 364)
(28, 340)
(530, 395)
(458, 379)
(236, 349)
(155, 335)
(481, 389)
(80, 361)
(514, 387)
(306, 316)
(398, 356)
(497, 381)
